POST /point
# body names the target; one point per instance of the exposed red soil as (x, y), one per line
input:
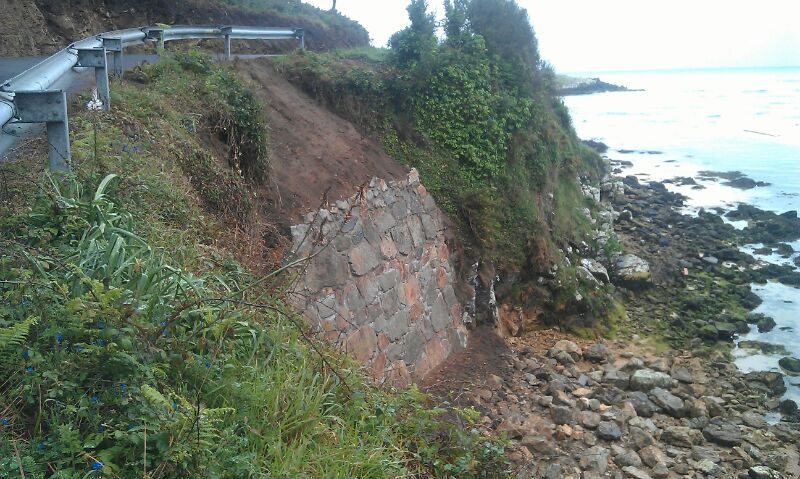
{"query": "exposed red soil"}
(312, 149)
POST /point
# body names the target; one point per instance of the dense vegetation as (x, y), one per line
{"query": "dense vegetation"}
(325, 29)
(476, 113)
(133, 344)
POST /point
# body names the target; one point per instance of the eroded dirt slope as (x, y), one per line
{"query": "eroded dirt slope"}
(313, 150)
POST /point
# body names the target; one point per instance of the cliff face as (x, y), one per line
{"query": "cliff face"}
(38, 27)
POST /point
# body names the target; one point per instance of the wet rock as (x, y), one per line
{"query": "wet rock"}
(682, 436)
(769, 381)
(725, 330)
(647, 379)
(790, 364)
(766, 348)
(788, 407)
(671, 404)
(723, 432)
(765, 325)
(609, 431)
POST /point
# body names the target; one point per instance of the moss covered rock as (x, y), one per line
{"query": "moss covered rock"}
(790, 364)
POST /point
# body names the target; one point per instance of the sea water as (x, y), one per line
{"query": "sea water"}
(688, 121)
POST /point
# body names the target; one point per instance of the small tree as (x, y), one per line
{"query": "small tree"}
(418, 41)
(508, 33)
(455, 23)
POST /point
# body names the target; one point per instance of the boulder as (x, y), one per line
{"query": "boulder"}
(596, 353)
(682, 436)
(562, 415)
(754, 420)
(764, 472)
(616, 378)
(609, 431)
(671, 404)
(647, 379)
(725, 330)
(640, 438)
(771, 382)
(569, 347)
(596, 269)
(628, 458)
(723, 432)
(635, 472)
(682, 374)
(589, 419)
(585, 276)
(642, 404)
(790, 364)
(765, 325)
(595, 459)
(788, 407)
(632, 272)
(652, 455)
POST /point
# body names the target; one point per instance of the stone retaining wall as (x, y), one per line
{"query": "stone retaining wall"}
(379, 281)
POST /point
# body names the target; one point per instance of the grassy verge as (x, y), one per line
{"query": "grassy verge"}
(134, 344)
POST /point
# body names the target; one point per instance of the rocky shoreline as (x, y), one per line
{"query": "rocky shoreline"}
(664, 398)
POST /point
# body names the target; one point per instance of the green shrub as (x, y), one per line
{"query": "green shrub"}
(118, 364)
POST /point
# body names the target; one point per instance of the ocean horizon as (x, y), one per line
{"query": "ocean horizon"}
(600, 73)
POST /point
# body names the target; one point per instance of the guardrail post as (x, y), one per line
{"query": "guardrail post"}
(302, 34)
(96, 58)
(157, 34)
(50, 107)
(227, 32)
(114, 45)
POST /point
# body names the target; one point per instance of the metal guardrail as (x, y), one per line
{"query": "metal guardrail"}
(30, 98)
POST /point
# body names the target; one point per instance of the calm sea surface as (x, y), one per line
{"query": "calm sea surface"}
(719, 120)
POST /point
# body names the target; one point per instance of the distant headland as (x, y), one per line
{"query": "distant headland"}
(568, 86)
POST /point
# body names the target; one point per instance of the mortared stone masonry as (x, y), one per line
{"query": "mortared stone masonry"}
(379, 282)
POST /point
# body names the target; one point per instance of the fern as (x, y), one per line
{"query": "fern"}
(15, 335)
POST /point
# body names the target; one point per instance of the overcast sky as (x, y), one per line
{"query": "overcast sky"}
(586, 35)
